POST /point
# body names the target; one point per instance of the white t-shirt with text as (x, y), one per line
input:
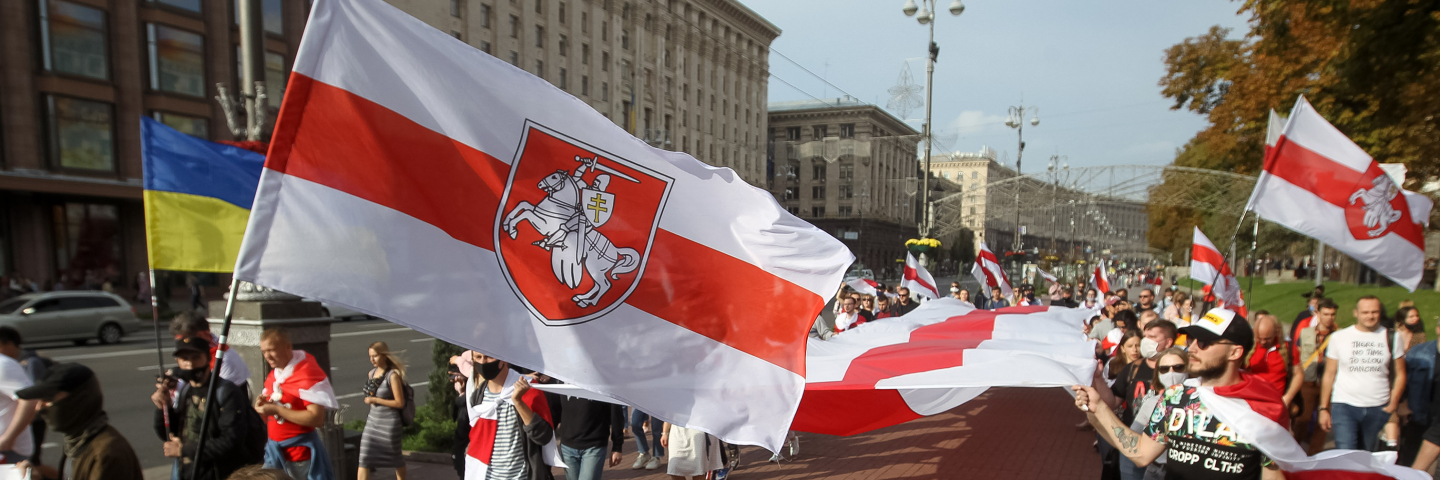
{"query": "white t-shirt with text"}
(12, 379)
(1362, 378)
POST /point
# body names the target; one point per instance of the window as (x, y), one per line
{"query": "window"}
(817, 171)
(605, 31)
(514, 58)
(604, 61)
(177, 60)
(972, 210)
(198, 127)
(563, 83)
(847, 130)
(847, 191)
(604, 91)
(584, 85)
(74, 39)
(485, 47)
(270, 14)
(514, 26)
(685, 92)
(539, 36)
(455, 8)
(539, 6)
(564, 45)
(584, 54)
(484, 15)
(794, 210)
(584, 22)
(86, 236)
(540, 68)
(817, 212)
(81, 134)
(191, 5)
(817, 132)
(456, 34)
(845, 211)
(276, 76)
(624, 39)
(668, 84)
(847, 172)
(792, 134)
(562, 13)
(974, 175)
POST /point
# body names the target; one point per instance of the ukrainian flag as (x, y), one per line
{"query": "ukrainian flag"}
(197, 199)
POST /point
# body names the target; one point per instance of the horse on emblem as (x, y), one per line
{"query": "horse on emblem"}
(571, 236)
(1378, 212)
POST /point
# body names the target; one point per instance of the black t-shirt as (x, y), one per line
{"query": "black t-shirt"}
(1199, 446)
(1131, 387)
(905, 308)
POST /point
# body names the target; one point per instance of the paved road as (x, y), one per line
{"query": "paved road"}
(127, 374)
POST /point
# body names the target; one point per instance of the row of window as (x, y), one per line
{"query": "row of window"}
(817, 132)
(81, 133)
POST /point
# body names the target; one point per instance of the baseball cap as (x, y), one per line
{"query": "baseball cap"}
(1222, 324)
(62, 377)
(192, 345)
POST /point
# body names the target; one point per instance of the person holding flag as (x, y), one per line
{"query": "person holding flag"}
(988, 273)
(918, 280)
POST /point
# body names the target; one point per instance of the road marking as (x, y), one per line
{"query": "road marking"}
(369, 332)
(153, 367)
(418, 340)
(121, 353)
(361, 394)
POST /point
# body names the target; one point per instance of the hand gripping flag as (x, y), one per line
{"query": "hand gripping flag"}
(197, 199)
(1208, 266)
(935, 358)
(1098, 280)
(1319, 183)
(864, 286)
(415, 178)
(917, 279)
(484, 419)
(989, 274)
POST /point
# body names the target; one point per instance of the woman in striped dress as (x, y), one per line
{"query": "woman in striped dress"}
(384, 392)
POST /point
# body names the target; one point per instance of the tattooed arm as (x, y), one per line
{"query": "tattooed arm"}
(1138, 448)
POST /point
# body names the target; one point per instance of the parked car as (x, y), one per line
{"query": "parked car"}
(78, 316)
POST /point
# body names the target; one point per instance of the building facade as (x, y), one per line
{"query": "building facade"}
(849, 168)
(77, 76)
(971, 171)
(684, 75)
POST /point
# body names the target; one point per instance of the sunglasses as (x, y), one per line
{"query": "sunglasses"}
(1205, 344)
(1171, 368)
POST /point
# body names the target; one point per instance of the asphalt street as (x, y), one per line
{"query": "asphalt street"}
(127, 373)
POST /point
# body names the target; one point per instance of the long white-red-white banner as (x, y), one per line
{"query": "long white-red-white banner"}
(416, 178)
(938, 356)
(1318, 182)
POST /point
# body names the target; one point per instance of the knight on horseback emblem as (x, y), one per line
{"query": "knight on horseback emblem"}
(585, 262)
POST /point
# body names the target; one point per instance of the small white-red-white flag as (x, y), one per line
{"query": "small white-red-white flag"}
(1320, 183)
(989, 274)
(1098, 280)
(1208, 266)
(1046, 275)
(864, 285)
(918, 280)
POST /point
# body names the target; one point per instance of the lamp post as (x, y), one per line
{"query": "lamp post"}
(1016, 120)
(926, 15)
(1055, 167)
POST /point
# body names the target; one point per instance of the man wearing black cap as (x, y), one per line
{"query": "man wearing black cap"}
(74, 406)
(1212, 450)
(235, 437)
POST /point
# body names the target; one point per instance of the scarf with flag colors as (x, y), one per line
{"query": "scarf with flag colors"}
(938, 356)
(1209, 267)
(418, 179)
(301, 383)
(917, 279)
(1318, 182)
(484, 419)
(197, 199)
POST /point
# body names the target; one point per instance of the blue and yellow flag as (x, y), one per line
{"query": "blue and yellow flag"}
(197, 199)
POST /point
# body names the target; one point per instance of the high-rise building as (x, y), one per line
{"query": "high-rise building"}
(77, 77)
(683, 75)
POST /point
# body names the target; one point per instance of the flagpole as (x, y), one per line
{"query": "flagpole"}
(1225, 256)
(215, 374)
(1254, 244)
(159, 353)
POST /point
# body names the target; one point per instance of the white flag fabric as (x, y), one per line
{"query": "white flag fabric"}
(1046, 275)
(1098, 280)
(990, 274)
(1318, 182)
(1208, 266)
(918, 280)
(864, 286)
(418, 179)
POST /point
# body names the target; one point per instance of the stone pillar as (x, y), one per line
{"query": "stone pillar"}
(258, 309)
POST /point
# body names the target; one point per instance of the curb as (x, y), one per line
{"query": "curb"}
(428, 457)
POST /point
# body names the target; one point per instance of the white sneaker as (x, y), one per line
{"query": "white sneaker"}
(640, 461)
(654, 463)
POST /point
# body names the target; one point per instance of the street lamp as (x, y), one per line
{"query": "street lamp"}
(1016, 120)
(1057, 164)
(923, 13)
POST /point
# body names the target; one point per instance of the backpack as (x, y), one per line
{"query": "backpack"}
(407, 414)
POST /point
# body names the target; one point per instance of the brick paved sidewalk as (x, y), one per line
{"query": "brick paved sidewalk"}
(1006, 433)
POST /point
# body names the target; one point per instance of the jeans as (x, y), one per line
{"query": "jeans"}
(584, 464)
(1357, 428)
(1128, 470)
(637, 422)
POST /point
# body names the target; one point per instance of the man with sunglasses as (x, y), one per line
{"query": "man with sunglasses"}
(1364, 377)
(1196, 444)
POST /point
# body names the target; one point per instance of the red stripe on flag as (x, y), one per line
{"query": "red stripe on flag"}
(1212, 257)
(878, 409)
(913, 275)
(1334, 183)
(354, 145)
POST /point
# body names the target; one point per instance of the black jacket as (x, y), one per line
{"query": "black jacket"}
(236, 437)
(584, 423)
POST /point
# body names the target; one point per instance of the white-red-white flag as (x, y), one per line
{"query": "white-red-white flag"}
(864, 285)
(935, 358)
(416, 178)
(1046, 275)
(1098, 280)
(917, 279)
(990, 274)
(1320, 183)
(1208, 266)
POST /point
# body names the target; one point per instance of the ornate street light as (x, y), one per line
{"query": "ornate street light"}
(923, 14)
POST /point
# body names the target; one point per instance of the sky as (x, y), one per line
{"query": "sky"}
(1092, 68)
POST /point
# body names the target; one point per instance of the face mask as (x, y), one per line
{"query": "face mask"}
(954, 290)
(1147, 347)
(487, 371)
(1172, 379)
(191, 374)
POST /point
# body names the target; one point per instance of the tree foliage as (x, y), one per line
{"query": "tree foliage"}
(1371, 67)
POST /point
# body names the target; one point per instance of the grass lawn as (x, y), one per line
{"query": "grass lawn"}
(1284, 300)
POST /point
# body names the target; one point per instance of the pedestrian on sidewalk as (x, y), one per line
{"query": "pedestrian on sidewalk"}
(17, 442)
(385, 393)
(583, 426)
(650, 451)
(693, 453)
(297, 392)
(234, 438)
(74, 406)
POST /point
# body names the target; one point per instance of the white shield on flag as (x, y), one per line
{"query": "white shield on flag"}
(597, 206)
(830, 149)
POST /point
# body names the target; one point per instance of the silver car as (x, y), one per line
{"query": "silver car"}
(78, 316)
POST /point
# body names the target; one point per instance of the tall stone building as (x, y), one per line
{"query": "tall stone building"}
(971, 171)
(849, 168)
(77, 76)
(684, 75)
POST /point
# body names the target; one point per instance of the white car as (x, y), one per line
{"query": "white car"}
(78, 316)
